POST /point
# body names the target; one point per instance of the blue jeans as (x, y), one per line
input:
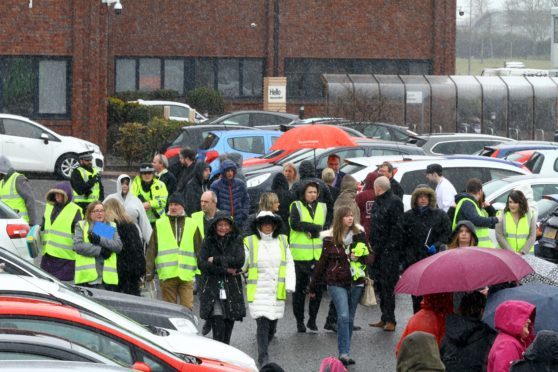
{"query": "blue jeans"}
(346, 301)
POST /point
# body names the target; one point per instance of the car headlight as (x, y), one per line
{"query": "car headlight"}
(258, 180)
(184, 325)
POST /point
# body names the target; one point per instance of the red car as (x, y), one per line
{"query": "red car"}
(96, 334)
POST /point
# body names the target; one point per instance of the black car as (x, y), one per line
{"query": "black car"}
(143, 310)
(253, 118)
(260, 178)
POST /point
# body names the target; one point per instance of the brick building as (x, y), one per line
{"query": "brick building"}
(59, 59)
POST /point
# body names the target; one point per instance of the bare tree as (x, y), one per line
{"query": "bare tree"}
(532, 16)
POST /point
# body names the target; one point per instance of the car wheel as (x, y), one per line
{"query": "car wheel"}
(65, 165)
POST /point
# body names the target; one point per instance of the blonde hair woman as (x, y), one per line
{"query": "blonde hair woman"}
(291, 173)
(131, 260)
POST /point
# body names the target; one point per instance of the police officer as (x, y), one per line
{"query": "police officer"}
(307, 219)
(151, 191)
(16, 192)
(86, 181)
(171, 251)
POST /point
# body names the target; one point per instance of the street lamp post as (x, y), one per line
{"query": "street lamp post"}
(470, 37)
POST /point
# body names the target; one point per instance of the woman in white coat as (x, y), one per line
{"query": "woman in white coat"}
(271, 275)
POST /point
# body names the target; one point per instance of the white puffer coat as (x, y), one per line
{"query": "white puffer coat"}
(265, 302)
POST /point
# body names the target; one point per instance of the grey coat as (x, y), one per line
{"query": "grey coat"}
(93, 250)
(23, 188)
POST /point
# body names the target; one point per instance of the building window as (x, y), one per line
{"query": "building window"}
(304, 75)
(233, 77)
(35, 87)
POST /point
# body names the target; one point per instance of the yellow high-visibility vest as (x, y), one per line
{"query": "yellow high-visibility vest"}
(302, 247)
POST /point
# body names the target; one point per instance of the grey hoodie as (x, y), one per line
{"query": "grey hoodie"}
(23, 188)
(134, 208)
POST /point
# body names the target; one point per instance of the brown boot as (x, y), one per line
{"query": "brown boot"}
(389, 327)
(379, 324)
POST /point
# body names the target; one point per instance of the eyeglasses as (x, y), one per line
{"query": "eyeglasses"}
(98, 211)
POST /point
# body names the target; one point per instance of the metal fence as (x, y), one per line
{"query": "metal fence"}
(519, 107)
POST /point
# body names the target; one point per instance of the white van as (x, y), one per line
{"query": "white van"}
(178, 111)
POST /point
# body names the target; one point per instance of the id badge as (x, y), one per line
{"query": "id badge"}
(222, 294)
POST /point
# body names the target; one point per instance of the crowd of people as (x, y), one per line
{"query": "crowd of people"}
(309, 235)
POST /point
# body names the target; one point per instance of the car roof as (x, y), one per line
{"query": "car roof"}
(216, 127)
(527, 177)
(157, 102)
(285, 114)
(463, 135)
(246, 131)
(479, 161)
(522, 144)
(17, 305)
(57, 365)
(547, 151)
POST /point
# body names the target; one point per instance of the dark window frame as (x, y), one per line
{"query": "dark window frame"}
(35, 59)
(190, 71)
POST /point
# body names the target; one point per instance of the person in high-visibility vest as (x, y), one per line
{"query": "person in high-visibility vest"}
(307, 220)
(171, 252)
(468, 209)
(86, 181)
(343, 263)
(518, 230)
(271, 275)
(16, 192)
(60, 218)
(151, 191)
(96, 262)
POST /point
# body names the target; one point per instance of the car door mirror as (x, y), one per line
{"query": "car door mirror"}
(44, 137)
(140, 366)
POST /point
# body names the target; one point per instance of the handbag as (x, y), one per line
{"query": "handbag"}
(368, 297)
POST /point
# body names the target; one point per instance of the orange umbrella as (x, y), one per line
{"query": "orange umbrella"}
(313, 136)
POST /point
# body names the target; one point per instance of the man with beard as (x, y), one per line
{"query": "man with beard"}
(86, 182)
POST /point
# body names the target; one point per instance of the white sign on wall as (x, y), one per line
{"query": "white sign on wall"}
(277, 93)
(414, 96)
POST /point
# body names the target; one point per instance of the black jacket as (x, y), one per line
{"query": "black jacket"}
(170, 181)
(280, 186)
(385, 226)
(541, 355)
(82, 187)
(195, 188)
(184, 175)
(227, 252)
(468, 212)
(131, 260)
(307, 227)
(307, 173)
(396, 188)
(423, 227)
(466, 345)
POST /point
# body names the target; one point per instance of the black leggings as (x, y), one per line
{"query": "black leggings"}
(222, 328)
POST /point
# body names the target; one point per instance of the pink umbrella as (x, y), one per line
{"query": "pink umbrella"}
(462, 269)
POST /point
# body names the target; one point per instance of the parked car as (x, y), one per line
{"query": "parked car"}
(192, 137)
(505, 149)
(184, 345)
(21, 312)
(143, 310)
(458, 169)
(253, 118)
(455, 143)
(497, 191)
(178, 111)
(13, 232)
(58, 366)
(520, 157)
(382, 131)
(24, 345)
(260, 178)
(249, 143)
(543, 162)
(548, 249)
(32, 147)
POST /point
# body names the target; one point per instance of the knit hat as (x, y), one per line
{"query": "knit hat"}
(177, 199)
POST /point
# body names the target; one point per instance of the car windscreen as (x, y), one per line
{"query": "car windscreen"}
(351, 168)
(545, 207)
(493, 186)
(6, 212)
(209, 141)
(300, 155)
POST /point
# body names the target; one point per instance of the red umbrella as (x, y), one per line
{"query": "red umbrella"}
(462, 269)
(313, 136)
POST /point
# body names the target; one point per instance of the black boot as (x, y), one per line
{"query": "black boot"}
(312, 325)
(206, 328)
(300, 327)
(331, 326)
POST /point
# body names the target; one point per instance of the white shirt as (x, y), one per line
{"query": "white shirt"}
(445, 194)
